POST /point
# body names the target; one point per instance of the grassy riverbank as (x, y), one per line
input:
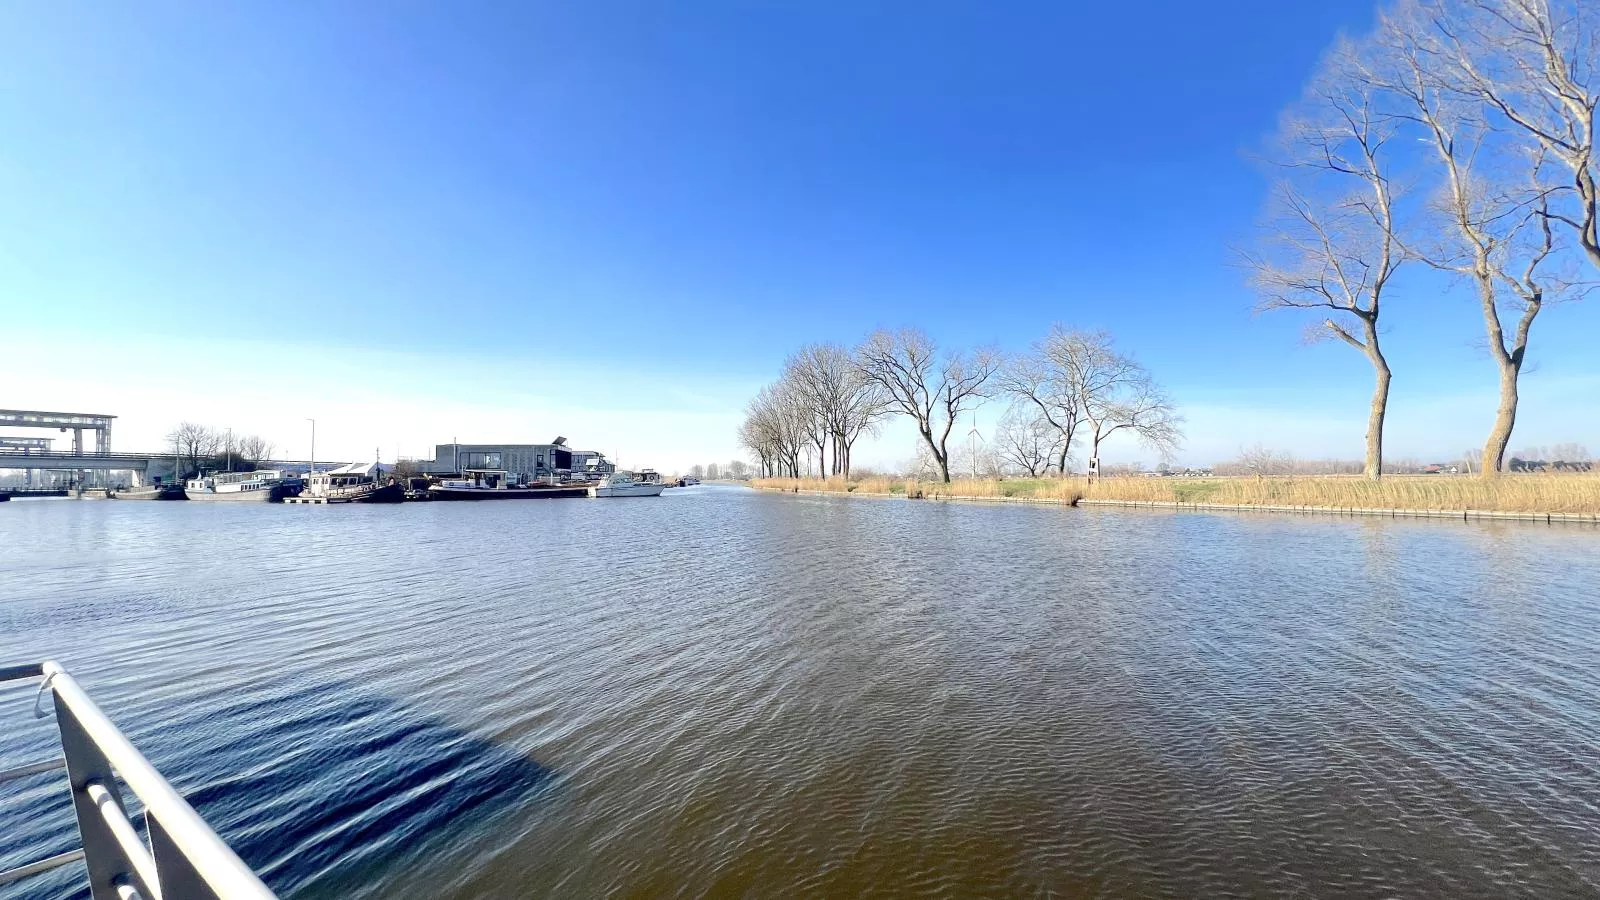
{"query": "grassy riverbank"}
(1543, 493)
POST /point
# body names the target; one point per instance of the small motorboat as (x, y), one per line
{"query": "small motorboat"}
(625, 484)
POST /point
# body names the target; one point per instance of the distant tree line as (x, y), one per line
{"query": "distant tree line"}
(1459, 136)
(1071, 384)
(734, 469)
(205, 447)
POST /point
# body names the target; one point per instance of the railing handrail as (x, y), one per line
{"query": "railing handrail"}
(203, 851)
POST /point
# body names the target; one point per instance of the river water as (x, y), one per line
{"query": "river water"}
(728, 693)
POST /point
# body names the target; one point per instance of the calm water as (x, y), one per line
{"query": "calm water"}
(724, 693)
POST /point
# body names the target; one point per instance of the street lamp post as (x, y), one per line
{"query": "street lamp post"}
(313, 445)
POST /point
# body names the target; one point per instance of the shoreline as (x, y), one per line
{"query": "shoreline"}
(1459, 515)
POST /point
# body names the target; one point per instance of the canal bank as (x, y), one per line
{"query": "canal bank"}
(1516, 498)
(1463, 515)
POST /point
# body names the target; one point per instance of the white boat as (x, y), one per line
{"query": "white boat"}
(260, 486)
(624, 484)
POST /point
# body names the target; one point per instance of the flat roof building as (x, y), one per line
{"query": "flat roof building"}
(523, 462)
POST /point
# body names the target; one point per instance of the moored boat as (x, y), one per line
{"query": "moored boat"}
(150, 492)
(260, 486)
(355, 483)
(495, 484)
(625, 484)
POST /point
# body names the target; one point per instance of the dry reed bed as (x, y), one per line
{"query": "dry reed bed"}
(1541, 493)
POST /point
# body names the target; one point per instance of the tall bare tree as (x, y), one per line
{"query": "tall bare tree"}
(1334, 244)
(843, 402)
(1535, 67)
(1493, 220)
(930, 387)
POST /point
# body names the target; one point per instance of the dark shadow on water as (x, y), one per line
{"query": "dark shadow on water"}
(322, 788)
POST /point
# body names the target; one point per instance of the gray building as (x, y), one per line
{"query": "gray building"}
(523, 462)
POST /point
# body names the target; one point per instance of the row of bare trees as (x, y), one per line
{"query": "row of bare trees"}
(1068, 383)
(204, 446)
(1459, 136)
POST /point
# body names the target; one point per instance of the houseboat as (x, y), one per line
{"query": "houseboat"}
(496, 484)
(625, 484)
(259, 486)
(355, 483)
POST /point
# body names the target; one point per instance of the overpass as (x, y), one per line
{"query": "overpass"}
(144, 466)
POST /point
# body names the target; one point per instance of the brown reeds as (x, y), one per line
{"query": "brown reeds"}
(1523, 493)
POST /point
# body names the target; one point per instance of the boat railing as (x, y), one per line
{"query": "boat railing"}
(183, 858)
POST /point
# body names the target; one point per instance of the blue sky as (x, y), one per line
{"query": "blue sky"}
(613, 220)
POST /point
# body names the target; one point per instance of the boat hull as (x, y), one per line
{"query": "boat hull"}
(389, 493)
(168, 492)
(535, 493)
(632, 490)
(273, 494)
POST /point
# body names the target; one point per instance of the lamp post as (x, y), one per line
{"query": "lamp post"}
(313, 445)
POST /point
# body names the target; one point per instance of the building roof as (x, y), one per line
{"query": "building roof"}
(370, 469)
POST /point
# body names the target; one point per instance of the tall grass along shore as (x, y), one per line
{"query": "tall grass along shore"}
(1534, 493)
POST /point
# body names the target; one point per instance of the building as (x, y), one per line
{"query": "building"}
(523, 462)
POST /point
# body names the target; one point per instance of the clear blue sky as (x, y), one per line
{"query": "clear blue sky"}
(366, 211)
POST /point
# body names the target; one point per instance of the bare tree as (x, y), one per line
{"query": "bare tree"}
(1116, 393)
(933, 389)
(844, 404)
(1335, 244)
(1044, 379)
(1493, 219)
(1535, 67)
(1027, 439)
(196, 442)
(255, 448)
(775, 429)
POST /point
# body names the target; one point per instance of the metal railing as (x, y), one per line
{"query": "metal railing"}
(184, 857)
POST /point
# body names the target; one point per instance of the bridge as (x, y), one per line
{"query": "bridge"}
(146, 467)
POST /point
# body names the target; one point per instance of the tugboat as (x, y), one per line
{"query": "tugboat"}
(355, 483)
(495, 484)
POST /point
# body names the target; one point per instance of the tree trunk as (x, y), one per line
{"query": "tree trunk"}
(1494, 450)
(1380, 405)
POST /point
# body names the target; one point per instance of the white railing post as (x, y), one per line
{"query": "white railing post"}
(102, 853)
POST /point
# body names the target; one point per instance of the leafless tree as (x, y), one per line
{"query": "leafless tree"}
(196, 442)
(1044, 378)
(1262, 460)
(1534, 65)
(844, 404)
(255, 448)
(775, 429)
(1115, 392)
(1028, 440)
(1334, 244)
(930, 387)
(1493, 222)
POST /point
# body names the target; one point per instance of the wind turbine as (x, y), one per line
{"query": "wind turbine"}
(973, 437)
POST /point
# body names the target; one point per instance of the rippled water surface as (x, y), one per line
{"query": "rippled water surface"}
(728, 693)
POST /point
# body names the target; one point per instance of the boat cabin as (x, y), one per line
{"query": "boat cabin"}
(343, 479)
(229, 482)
